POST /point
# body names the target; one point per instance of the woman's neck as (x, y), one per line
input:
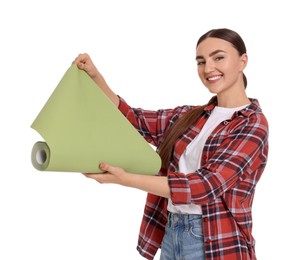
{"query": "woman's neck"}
(233, 99)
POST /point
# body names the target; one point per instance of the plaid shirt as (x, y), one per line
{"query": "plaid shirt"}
(233, 160)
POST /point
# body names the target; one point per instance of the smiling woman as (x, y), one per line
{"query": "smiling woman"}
(227, 61)
(199, 205)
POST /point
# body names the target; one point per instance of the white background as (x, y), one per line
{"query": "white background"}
(146, 51)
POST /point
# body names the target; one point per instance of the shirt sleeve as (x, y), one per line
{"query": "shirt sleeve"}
(151, 124)
(241, 154)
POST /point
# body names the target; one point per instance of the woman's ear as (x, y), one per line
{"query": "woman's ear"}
(243, 61)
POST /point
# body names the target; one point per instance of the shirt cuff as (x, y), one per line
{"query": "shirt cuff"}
(123, 106)
(180, 191)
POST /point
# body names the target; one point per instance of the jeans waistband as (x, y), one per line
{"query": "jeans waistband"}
(175, 219)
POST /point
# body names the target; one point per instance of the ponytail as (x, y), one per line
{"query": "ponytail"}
(177, 129)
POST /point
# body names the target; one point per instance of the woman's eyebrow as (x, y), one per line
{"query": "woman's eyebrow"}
(200, 57)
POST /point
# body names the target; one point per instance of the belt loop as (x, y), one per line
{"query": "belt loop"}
(186, 222)
(169, 219)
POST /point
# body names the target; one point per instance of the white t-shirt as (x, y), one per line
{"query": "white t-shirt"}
(190, 159)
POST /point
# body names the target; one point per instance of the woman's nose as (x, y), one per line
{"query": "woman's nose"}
(209, 66)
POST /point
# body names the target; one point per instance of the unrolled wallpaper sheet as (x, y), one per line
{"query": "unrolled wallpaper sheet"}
(81, 127)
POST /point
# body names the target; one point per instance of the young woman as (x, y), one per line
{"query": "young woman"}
(199, 205)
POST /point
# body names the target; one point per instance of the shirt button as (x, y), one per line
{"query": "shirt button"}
(225, 122)
(205, 219)
(208, 240)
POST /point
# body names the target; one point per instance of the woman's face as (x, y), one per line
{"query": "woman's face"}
(220, 67)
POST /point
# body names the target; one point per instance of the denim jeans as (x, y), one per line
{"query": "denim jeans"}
(183, 239)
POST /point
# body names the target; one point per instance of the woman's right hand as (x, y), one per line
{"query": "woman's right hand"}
(84, 62)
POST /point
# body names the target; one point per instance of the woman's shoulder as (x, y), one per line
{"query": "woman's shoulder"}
(178, 110)
(256, 113)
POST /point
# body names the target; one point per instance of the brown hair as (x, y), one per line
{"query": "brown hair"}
(184, 122)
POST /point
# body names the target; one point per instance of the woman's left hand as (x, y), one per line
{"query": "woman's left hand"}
(157, 185)
(111, 174)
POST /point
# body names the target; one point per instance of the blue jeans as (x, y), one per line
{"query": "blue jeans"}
(183, 239)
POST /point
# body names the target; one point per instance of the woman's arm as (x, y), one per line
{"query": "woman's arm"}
(84, 62)
(157, 185)
(152, 184)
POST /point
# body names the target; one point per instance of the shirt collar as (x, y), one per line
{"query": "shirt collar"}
(254, 107)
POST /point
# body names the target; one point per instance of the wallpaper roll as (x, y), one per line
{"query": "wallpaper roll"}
(81, 127)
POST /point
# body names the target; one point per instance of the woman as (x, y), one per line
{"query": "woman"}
(199, 205)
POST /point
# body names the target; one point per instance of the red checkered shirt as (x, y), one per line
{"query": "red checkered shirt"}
(233, 160)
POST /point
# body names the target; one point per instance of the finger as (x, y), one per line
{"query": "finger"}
(97, 177)
(77, 59)
(81, 59)
(105, 167)
(82, 65)
(90, 175)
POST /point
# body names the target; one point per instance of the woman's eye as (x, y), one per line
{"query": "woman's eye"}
(200, 63)
(218, 58)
